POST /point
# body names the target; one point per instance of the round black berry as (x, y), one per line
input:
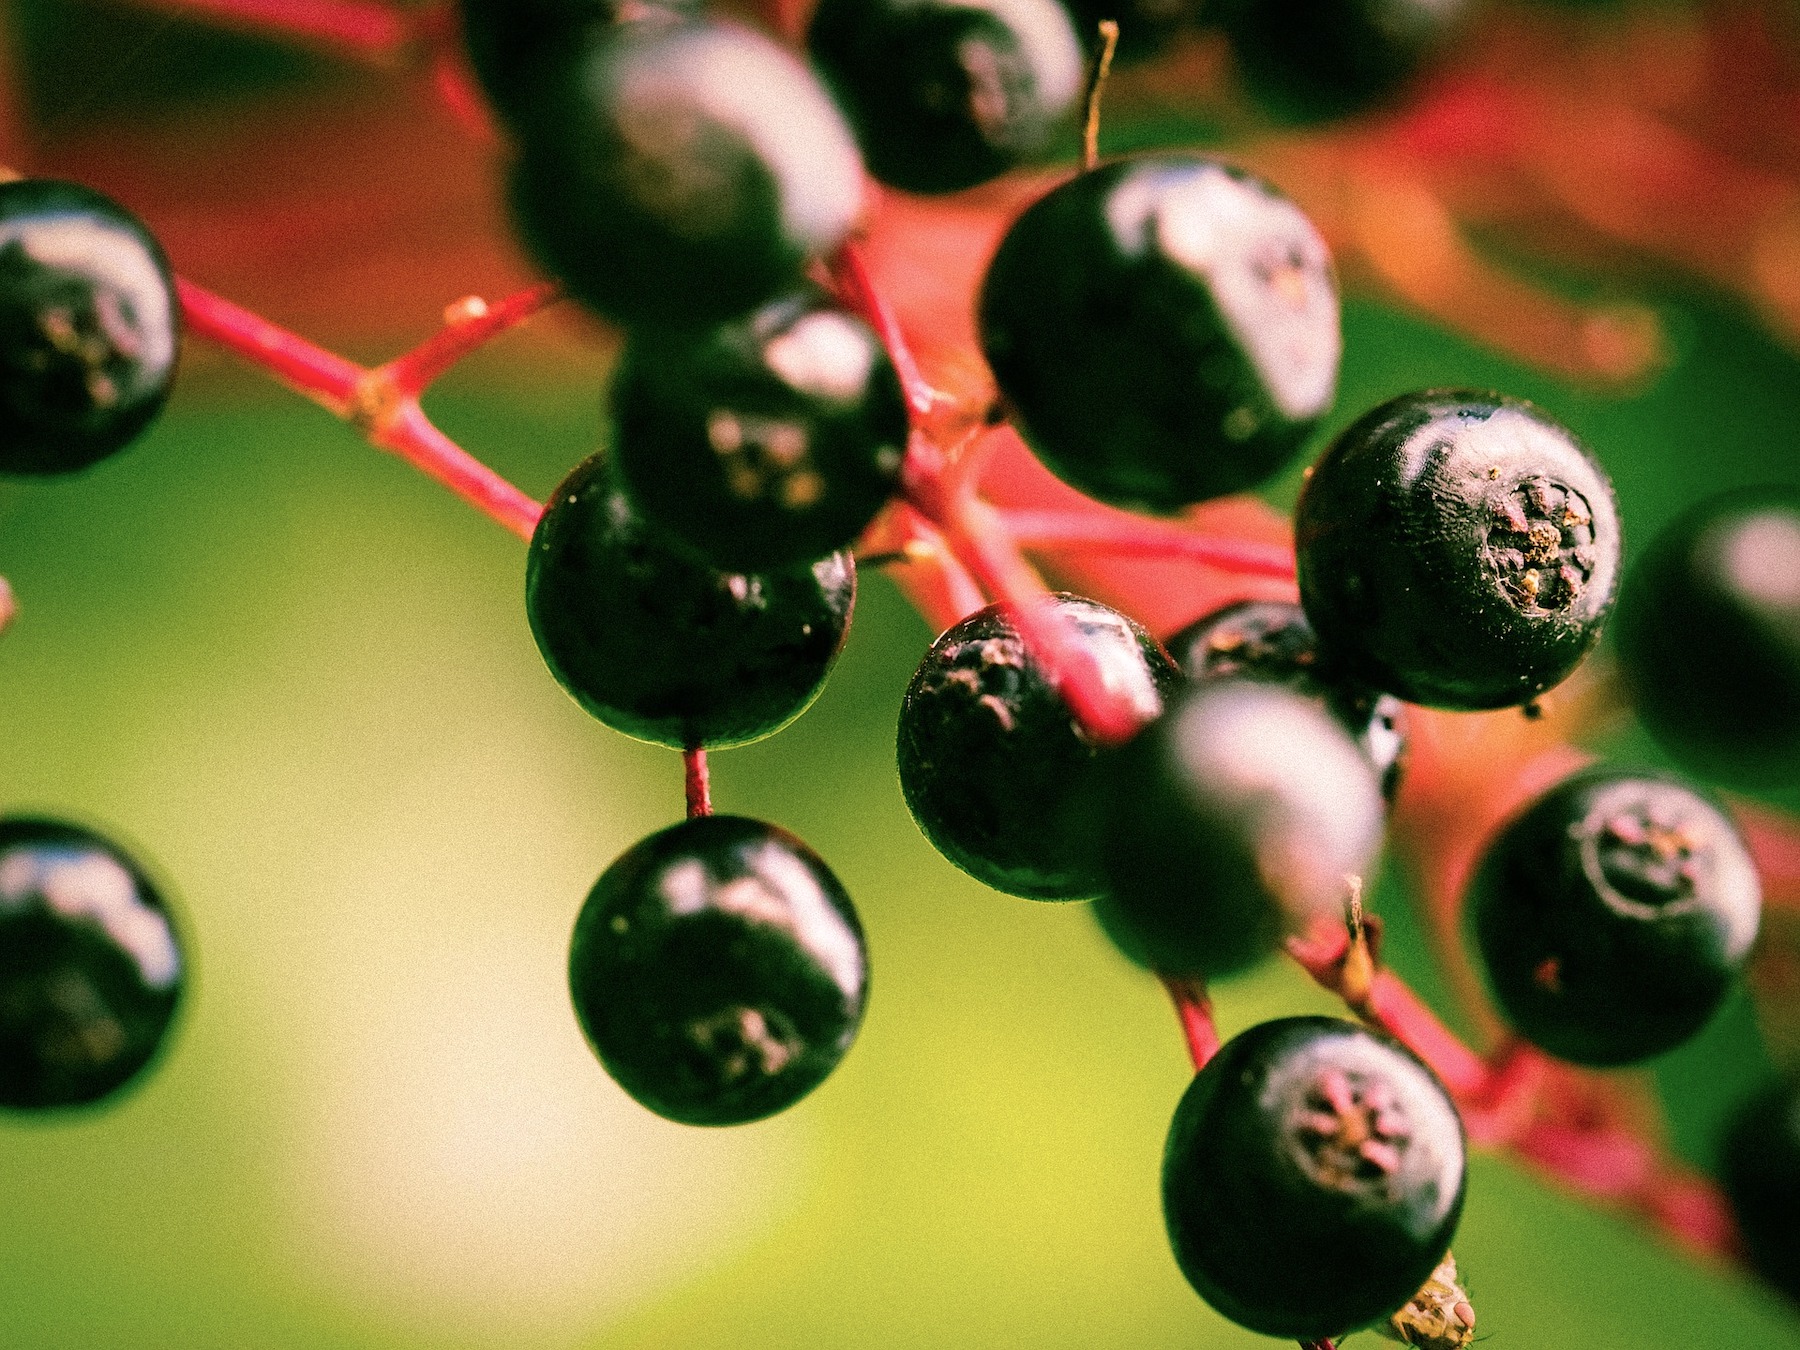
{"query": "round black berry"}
(718, 970)
(1165, 329)
(91, 967)
(1228, 823)
(1313, 1178)
(1311, 60)
(945, 94)
(1709, 637)
(89, 327)
(1760, 1169)
(991, 757)
(654, 642)
(676, 173)
(1612, 915)
(1271, 640)
(514, 44)
(765, 442)
(1458, 549)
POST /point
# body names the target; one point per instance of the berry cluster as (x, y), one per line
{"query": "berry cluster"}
(1162, 330)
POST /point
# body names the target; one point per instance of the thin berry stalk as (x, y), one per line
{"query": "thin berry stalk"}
(468, 324)
(1140, 537)
(1194, 1010)
(698, 775)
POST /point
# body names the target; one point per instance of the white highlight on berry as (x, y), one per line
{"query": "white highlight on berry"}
(1760, 557)
(79, 884)
(96, 248)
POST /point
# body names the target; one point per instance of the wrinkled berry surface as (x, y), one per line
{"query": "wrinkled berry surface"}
(1270, 640)
(89, 327)
(1612, 915)
(718, 970)
(1457, 549)
(1165, 329)
(1228, 823)
(656, 643)
(1709, 637)
(1313, 1178)
(91, 967)
(764, 442)
(991, 758)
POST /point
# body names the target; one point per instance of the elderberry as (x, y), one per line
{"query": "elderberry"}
(1228, 823)
(1709, 637)
(1313, 1178)
(91, 967)
(1760, 1169)
(718, 970)
(945, 94)
(766, 441)
(991, 758)
(89, 327)
(1612, 916)
(1457, 549)
(656, 643)
(1165, 330)
(1271, 640)
(674, 173)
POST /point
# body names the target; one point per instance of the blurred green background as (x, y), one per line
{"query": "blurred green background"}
(299, 678)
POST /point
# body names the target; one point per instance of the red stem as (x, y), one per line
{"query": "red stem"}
(699, 782)
(1195, 1011)
(324, 377)
(858, 290)
(467, 325)
(366, 29)
(1136, 536)
(411, 435)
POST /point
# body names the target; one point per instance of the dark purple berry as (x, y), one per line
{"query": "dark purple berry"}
(991, 757)
(1312, 60)
(1457, 549)
(945, 94)
(1313, 1178)
(1228, 823)
(1612, 916)
(1270, 640)
(656, 643)
(91, 967)
(680, 173)
(764, 442)
(718, 971)
(89, 327)
(1709, 637)
(1760, 1169)
(1165, 330)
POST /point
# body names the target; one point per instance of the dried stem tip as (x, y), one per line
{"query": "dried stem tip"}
(1090, 139)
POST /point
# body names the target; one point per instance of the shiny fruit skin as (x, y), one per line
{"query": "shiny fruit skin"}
(1228, 823)
(947, 94)
(90, 329)
(1457, 549)
(718, 970)
(1270, 640)
(655, 643)
(1165, 330)
(763, 442)
(991, 759)
(1612, 916)
(1313, 1178)
(681, 173)
(91, 967)
(1708, 635)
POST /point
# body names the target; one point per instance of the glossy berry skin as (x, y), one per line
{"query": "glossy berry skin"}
(1313, 1178)
(991, 759)
(1313, 60)
(1760, 1170)
(91, 967)
(89, 327)
(681, 173)
(1227, 824)
(1708, 634)
(1270, 640)
(657, 644)
(763, 442)
(512, 44)
(718, 971)
(945, 94)
(1612, 916)
(1457, 549)
(1165, 330)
